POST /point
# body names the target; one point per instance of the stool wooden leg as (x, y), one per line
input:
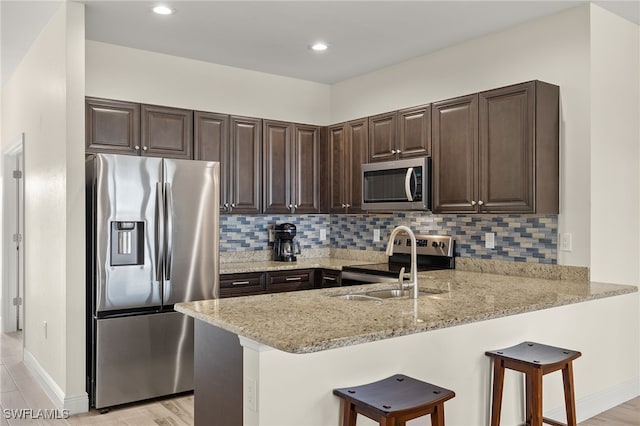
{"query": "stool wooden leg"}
(348, 414)
(437, 417)
(569, 396)
(535, 396)
(498, 381)
(386, 421)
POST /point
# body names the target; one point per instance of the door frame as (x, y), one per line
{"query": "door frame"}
(12, 317)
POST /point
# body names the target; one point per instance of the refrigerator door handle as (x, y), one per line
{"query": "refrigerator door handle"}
(159, 243)
(168, 231)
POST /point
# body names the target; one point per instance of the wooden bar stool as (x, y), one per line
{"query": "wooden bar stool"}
(534, 360)
(394, 401)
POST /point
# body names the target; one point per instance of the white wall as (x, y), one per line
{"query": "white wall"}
(615, 148)
(553, 49)
(45, 99)
(137, 75)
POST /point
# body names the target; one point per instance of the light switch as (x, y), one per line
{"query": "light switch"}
(490, 240)
(323, 234)
(376, 235)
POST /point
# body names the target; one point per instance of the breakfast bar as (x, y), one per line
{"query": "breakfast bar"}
(277, 357)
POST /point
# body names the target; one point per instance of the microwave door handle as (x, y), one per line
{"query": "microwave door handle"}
(407, 184)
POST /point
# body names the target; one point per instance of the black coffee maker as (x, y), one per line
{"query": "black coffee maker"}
(284, 248)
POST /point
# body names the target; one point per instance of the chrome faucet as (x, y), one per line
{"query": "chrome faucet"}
(414, 270)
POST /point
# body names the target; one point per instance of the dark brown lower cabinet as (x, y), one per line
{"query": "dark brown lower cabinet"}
(328, 278)
(241, 284)
(301, 279)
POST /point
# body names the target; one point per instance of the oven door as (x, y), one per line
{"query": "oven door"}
(396, 185)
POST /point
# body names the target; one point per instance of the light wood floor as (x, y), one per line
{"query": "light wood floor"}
(19, 389)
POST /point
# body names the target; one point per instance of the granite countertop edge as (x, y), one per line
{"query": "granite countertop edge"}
(195, 309)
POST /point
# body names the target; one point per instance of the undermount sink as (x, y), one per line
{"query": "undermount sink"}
(379, 295)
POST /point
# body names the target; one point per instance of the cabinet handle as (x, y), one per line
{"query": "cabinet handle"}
(473, 203)
(290, 206)
(226, 206)
(330, 278)
(137, 147)
(480, 202)
(393, 151)
(240, 283)
(344, 205)
(144, 148)
(348, 205)
(295, 206)
(233, 205)
(398, 151)
(293, 278)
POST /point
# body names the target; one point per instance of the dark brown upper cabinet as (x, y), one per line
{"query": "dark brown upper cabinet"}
(245, 170)
(112, 126)
(414, 132)
(400, 134)
(455, 141)
(167, 132)
(497, 151)
(348, 144)
(211, 143)
(383, 136)
(291, 167)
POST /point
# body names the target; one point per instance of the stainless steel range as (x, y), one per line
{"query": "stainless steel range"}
(433, 252)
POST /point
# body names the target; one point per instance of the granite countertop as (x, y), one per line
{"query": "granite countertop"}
(270, 265)
(312, 320)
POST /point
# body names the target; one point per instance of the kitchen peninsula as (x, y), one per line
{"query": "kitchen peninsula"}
(274, 359)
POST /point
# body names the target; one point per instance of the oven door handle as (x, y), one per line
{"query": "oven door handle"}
(407, 183)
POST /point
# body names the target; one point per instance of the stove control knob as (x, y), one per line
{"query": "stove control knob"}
(442, 245)
(434, 244)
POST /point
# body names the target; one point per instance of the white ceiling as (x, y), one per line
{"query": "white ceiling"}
(273, 36)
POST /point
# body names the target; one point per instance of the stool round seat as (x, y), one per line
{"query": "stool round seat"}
(394, 401)
(534, 360)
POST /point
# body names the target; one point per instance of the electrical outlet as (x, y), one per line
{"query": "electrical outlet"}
(566, 243)
(251, 394)
(490, 240)
(323, 234)
(376, 235)
(44, 328)
(272, 234)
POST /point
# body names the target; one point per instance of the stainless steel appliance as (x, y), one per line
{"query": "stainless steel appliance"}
(284, 248)
(152, 241)
(433, 252)
(397, 185)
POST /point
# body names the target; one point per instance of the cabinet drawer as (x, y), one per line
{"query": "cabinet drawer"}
(328, 278)
(290, 280)
(241, 284)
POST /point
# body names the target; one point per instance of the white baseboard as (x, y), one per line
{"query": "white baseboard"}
(74, 404)
(594, 404)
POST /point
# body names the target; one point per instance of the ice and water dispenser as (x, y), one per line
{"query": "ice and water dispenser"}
(127, 243)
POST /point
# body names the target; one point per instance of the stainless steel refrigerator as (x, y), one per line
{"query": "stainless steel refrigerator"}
(152, 241)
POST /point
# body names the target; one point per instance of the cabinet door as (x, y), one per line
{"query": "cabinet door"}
(455, 141)
(338, 159)
(358, 142)
(112, 126)
(245, 146)
(211, 143)
(382, 137)
(276, 142)
(414, 134)
(506, 149)
(167, 132)
(305, 187)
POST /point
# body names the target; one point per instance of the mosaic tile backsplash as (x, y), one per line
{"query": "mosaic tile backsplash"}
(520, 238)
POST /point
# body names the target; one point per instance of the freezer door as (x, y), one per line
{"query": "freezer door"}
(141, 357)
(125, 210)
(192, 194)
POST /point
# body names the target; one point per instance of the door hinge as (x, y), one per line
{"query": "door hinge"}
(17, 301)
(17, 174)
(17, 238)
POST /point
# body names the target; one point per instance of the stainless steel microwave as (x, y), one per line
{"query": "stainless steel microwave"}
(397, 185)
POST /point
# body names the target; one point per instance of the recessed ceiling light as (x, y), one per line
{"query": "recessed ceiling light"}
(319, 46)
(163, 10)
